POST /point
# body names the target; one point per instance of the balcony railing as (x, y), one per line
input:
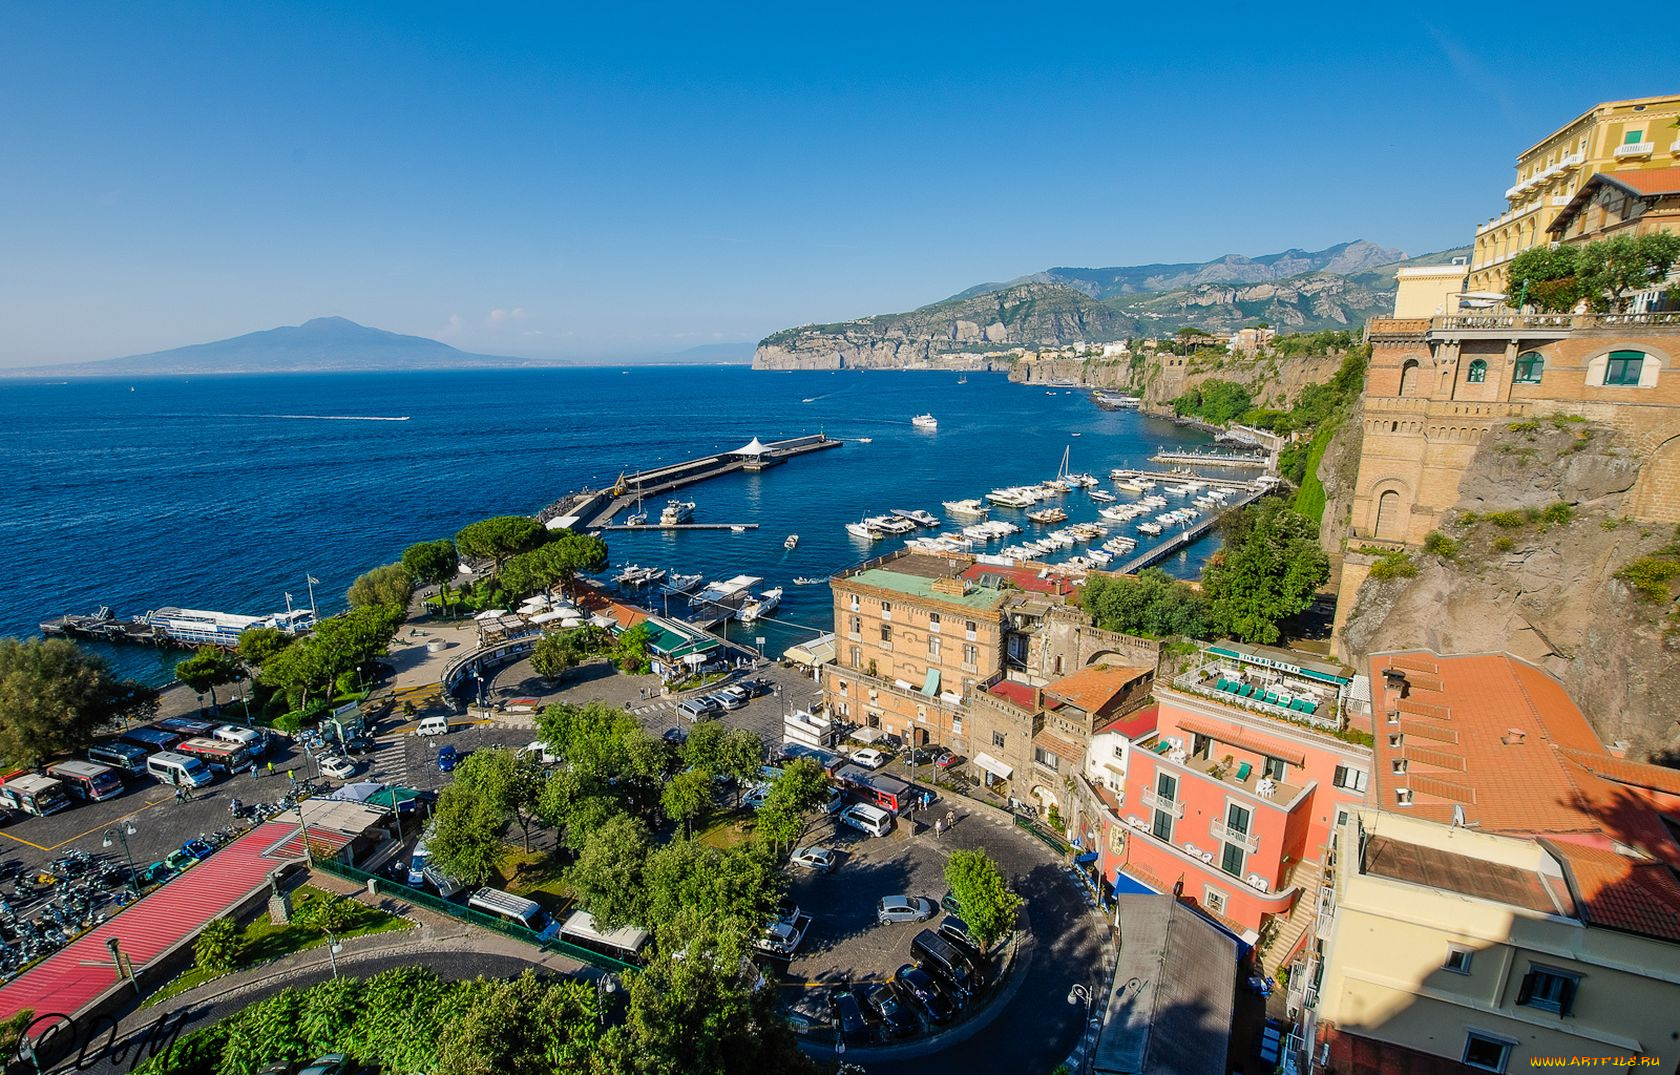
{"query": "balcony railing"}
(1247, 841)
(1153, 801)
(1634, 149)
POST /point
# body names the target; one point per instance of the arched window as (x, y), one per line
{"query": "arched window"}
(1478, 372)
(1624, 367)
(1530, 364)
(1409, 377)
(1388, 516)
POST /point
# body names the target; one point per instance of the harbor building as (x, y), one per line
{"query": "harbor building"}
(1256, 754)
(1614, 137)
(1509, 893)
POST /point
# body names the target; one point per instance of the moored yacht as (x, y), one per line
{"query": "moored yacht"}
(966, 509)
(676, 511)
(925, 421)
(762, 605)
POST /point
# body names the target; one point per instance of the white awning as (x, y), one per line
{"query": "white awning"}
(866, 735)
(993, 766)
(755, 447)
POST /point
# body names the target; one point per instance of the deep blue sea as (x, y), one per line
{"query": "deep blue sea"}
(226, 492)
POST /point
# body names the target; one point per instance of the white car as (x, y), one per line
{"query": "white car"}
(754, 798)
(869, 758)
(904, 909)
(338, 767)
(820, 859)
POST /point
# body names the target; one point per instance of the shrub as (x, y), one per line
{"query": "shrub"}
(1508, 520)
(1393, 565)
(1439, 544)
(1503, 544)
(1557, 513)
(1648, 576)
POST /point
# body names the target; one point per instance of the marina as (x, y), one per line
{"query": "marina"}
(1211, 459)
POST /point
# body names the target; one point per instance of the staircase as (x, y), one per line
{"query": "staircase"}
(1294, 926)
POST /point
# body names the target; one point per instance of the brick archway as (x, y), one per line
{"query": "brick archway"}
(1656, 496)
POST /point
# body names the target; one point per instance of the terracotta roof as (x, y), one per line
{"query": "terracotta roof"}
(1009, 690)
(1133, 725)
(1615, 891)
(1238, 736)
(1635, 773)
(1091, 689)
(1513, 753)
(1639, 182)
(1058, 746)
(1025, 578)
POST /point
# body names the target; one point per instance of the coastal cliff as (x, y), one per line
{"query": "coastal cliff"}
(1529, 564)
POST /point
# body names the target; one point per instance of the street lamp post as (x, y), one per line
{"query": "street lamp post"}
(1079, 994)
(120, 834)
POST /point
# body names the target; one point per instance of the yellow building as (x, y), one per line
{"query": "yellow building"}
(1611, 137)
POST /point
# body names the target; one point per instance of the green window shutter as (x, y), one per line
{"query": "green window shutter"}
(1633, 138)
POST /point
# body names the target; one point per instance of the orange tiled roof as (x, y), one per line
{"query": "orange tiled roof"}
(1058, 746)
(1505, 750)
(1648, 182)
(1616, 891)
(1238, 735)
(1635, 773)
(1093, 688)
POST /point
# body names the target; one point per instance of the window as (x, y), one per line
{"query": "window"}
(1548, 989)
(1201, 746)
(1215, 899)
(844, 686)
(1530, 364)
(1624, 367)
(1633, 137)
(857, 626)
(1350, 779)
(1166, 787)
(1486, 1052)
(972, 628)
(854, 602)
(857, 657)
(1396, 741)
(886, 610)
(1403, 796)
(997, 740)
(1274, 769)
(1238, 818)
(971, 655)
(1399, 766)
(956, 724)
(1409, 377)
(933, 648)
(1477, 372)
(1458, 959)
(933, 621)
(886, 633)
(1046, 759)
(1231, 859)
(1162, 826)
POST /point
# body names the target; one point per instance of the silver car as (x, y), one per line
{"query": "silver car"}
(820, 859)
(904, 909)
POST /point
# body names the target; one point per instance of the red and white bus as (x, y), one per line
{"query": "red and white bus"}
(220, 755)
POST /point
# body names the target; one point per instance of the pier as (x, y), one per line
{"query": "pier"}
(1213, 459)
(595, 510)
(1188, 536)
(681, 526)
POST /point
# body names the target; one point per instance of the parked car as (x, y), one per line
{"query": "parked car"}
(883, 1001)
(904, 909)
(956, 931)
(847, 1015)
(949, 760)
(331, 1064)
(869, 758)
(928, 755)
(199, 849)
(949, 902)
(732, 698)
(340, 767)
(754, 687)
(913, 983)
(675, 736)
(359, 744)
(447, 758)
(820, 859)
(755, 796)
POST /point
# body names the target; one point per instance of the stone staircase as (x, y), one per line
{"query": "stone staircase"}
(1299, 921)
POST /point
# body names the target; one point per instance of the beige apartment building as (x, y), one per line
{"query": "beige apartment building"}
(1616, 136)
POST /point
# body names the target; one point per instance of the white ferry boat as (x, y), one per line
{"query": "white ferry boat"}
(676, 511)
(925, 421)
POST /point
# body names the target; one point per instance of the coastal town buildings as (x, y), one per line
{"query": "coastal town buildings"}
(1251, 341)
(1613, 137)
(1508, 894)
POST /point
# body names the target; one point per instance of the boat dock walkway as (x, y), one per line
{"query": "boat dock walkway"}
(682, 526)
(1214, 459)
(1184, 538)
(595, 509)
(1179, 477)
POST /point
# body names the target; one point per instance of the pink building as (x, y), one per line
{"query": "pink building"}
(1232, 800)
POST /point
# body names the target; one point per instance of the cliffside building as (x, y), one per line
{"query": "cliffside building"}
(1614, 137)
(1509, 894)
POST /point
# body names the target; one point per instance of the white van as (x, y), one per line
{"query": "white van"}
(515, 909)
(538, 749)
(871, 819)
(178, 769)
(253, 740)
(433, 726)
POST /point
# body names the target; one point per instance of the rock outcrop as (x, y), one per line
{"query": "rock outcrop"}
(1530, 583)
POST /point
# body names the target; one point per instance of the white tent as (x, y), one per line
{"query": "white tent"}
(491, 614)
(547, 617)
(754, 447)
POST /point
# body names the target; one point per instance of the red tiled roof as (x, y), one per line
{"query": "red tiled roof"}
(1133, 725)
(1615, 891)
(1635, 773)
(1238, 736)
(1009, 690)
(1025, 578)
(76, 975)
(1091, 689)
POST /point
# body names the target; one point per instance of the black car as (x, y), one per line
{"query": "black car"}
(927, 755)
(847, 1015)
(359, 744)
(897, 1021)
(956, 931)
(914, 983)
(755, 687)
(675, 736)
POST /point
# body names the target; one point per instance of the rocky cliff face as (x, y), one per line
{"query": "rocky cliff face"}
(1544, 590)
(1338, 472)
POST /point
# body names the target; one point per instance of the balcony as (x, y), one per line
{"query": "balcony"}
(1221, 831)
(1152, 801)
(1674, 148)
(1253, 781)
(1278, 696)
(1634, 150)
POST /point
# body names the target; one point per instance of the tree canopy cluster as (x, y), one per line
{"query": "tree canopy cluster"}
(561, 560)
(1267, 569)
(693, 1015)
(310, 666)
(1603, 273)
(54, 697)
(988, 904)
(390, 586)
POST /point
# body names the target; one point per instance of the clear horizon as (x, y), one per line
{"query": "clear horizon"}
(541, 184)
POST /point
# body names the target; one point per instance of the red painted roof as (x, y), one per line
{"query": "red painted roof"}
(76, 975)
(1025, 578)
(1134, 725)
(1010, 691)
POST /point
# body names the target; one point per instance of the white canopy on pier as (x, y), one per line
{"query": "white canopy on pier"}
(753, 447)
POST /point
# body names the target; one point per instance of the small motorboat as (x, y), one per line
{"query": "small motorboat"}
(801, 580)
(792, 542)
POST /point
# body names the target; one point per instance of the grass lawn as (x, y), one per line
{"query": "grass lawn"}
(536, 876)
(262, 941)
(726, 831)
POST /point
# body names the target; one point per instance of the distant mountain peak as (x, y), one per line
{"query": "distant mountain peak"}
(334, 322)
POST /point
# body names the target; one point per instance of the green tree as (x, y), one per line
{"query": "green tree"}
(734, 890)
(1611, 268)
(802, 787)
(523, 1026)
(630, 652)
(329, 914)
(559, 562)
(741, 755)
(1268, 569)
(466, 841)
(1215, 401)
(217, 948)
(607, 875)
(1544, 277)
(703, 749)
(988, 905)
(259, 645)
(54, 696)
(208, 668)
(434, 563)
(686, 797)
(555, 654)
(1154, 605)
(498, 538)
(513, 785)
(388, 585)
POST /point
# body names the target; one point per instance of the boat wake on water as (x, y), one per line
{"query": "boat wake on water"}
(324, 417)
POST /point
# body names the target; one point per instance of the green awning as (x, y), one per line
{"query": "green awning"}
(931, 687)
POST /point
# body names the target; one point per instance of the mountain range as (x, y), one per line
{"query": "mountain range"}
(329, 345)
(1293, 290)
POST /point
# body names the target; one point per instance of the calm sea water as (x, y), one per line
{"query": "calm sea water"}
(226, 492)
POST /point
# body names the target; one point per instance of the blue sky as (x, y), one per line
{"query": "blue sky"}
(639, 180)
